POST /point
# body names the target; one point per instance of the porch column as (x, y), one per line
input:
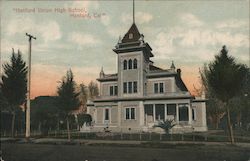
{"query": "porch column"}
(189, 115)
(142, 113)
(154, 112)
(177, 114)
(165, 111)
(119, 114)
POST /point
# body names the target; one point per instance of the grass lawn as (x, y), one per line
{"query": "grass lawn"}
(48, 152)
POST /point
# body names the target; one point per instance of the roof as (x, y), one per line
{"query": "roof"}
(135, 34)
(153, 68)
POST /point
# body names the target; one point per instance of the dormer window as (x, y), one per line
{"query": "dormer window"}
(130, 36)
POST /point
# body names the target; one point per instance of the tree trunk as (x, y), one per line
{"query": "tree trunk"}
(230, 129)
(68, 129)
(13, 124)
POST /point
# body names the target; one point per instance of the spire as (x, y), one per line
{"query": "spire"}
(102, 73)
(133, 11)
(172, 66)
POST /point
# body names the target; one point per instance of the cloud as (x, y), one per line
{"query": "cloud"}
(105, 20)
(49, 29)
(191, 20)
(140, 17)
(232, 23)
(84, 39)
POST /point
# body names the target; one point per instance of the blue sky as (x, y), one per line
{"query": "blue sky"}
(188, 32)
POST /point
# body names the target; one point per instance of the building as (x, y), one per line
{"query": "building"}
(141, 94)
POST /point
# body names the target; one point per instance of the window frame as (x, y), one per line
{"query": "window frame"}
(128, 113)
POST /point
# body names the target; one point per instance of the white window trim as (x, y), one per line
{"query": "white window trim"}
(113, 90)
(125, 109)
(158, 84)
(106, 121)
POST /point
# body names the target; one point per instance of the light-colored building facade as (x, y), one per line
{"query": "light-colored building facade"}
(140, 94)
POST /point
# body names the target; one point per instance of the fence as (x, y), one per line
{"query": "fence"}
(195, 137)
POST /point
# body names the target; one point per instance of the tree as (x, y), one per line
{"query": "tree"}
(225, 78)
(14, 85)
(67, 98)
(93, 90)
(83, 95)
(166, 125)
(44, 113)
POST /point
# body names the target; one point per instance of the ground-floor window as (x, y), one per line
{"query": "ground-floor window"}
(130, 113)
(106, 114)
(159, 112)
(193, 114)
(171, 109)
(183, 113)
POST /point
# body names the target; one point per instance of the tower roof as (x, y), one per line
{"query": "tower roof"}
(132, 35)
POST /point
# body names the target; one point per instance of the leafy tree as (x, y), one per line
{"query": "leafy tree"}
(225, 78)
(166, 125)
(93, 90)
(14, 85)
(67, 98)
(83, 95)
(44, 113)
(84, 118)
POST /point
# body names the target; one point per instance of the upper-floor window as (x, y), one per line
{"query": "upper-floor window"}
(158, 87)
(135, 64)
(130, 87)
(135, 86)
(113, 90)
(125, 87)
(130, 114)
(130, 64)
(125, 63)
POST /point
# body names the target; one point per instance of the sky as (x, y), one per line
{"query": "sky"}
(80, 35)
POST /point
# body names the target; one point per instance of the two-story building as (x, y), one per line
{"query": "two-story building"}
(141, 94)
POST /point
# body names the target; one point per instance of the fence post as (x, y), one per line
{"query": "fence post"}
(140, 135)
(193, 137)
(121, 136)
(182, 137)
(160, 136)
(150, 136)
(171, 136)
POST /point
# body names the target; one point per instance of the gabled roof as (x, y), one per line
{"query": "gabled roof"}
(135, 34)
(153, 68)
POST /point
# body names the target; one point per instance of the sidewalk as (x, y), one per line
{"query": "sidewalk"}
(117, 142)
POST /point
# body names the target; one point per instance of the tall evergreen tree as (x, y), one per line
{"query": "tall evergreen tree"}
(67, 98)
(14, 85)
(225, 78)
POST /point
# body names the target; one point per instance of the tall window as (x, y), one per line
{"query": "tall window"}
(135, 86)
(161, 88)
(106, 117)
(159, 112)
(130, 114)
(116, 90)
(125, 87)
(125, 64)
(158, 87)
(171, 109)
(135, 64)
(129, 87)
(183, 113)
(130, 64)
(193, 114)
(113, 90)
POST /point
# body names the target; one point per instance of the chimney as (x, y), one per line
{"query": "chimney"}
(179, 72)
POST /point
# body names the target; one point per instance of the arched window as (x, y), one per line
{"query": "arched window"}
(135, 64)
(130, 64)
(125, 64)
